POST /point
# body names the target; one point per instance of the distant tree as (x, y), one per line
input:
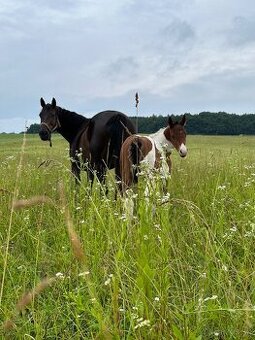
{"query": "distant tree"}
(33, 128)
(204, 123)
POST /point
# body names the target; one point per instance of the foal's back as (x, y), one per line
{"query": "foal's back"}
(136, 150)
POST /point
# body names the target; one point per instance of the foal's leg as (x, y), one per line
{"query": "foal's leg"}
(169, 162)
(168, 172)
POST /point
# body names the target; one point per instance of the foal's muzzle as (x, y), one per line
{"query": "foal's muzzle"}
(183, 151)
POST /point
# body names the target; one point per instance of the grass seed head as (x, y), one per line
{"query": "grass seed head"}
(19, 204)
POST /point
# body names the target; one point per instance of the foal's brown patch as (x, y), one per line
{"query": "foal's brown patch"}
(145, 146)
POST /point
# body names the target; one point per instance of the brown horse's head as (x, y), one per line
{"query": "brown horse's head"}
(176, 134)
(49, 119)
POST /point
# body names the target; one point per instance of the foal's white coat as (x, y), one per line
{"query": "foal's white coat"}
(164, 146)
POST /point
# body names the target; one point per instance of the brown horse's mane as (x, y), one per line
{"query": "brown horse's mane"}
(70, 123)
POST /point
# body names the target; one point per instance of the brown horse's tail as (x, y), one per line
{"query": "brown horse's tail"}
(130, 158)
(119, 128)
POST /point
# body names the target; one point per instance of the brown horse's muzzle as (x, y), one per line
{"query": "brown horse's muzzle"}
(44, 134)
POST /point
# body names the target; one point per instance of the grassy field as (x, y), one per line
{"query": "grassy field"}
(78, 266)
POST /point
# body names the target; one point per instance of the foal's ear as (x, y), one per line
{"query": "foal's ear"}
(183, 120)
(42, 102)
(53, 103)
(170, 122)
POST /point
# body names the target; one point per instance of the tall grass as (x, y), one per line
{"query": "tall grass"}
(78, 265)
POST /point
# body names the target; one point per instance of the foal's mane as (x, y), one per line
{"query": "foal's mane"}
(157, 132)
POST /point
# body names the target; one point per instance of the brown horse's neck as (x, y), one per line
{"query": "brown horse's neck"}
(70, 123)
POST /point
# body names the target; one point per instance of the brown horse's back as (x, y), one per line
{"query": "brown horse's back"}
(101, 140)
(108, 131)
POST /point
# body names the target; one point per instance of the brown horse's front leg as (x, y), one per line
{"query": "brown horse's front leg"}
(98, 169)
(90, 175)
(76, 171)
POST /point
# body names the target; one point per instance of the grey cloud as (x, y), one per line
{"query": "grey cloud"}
(154, 8)
(59, 4)
(242, 31)
(95, 54)
(122, 68)
(178, 31)
(217, 92)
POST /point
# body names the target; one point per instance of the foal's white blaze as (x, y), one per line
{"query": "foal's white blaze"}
(183, 150)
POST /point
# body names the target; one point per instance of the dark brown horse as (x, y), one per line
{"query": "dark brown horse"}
(153, 151)
(96, 141)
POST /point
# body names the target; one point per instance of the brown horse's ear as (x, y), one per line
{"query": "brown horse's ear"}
(170, 122)
(53, 102)
(183, 120)
(42, 102)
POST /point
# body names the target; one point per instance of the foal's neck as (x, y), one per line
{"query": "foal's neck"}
(160, 140)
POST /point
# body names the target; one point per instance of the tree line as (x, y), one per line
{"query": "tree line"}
(204, 123)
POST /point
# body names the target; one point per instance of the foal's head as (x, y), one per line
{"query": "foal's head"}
(176, 135)
(49, 119)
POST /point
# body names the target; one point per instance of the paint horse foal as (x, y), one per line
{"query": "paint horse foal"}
(153, 151)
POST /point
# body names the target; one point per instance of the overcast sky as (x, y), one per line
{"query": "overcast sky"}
(92, 55)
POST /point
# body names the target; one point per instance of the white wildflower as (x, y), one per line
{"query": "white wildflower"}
(107, 282)
(60, 275)
(213, 297)
(157, 226)
(123, 217)
(224, 267)
(143, 323)
(84, 273)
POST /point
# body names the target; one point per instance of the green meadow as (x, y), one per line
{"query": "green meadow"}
(76, 264)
